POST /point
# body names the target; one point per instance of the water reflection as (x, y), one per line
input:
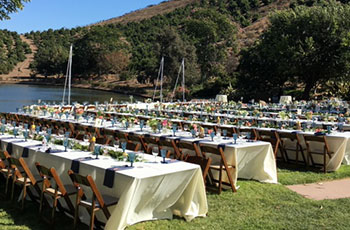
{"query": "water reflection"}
(16, 96)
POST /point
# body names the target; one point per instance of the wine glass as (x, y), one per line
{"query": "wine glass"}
(155, 153)
(86, 139)
(116, 144)
(60, 133)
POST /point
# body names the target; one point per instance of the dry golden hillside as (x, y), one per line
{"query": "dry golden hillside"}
(148, 12)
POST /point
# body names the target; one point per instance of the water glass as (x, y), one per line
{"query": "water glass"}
(97, 151)
(123, 146)
(141, 124)
(163, 154)
(248, 137)
(193, 133)
(224, 132)
(235, 136)
(25, 135)
(174, 129)
(65, 144)
(131, 158)
(212, 135)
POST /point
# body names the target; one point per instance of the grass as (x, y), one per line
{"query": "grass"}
(254, 206)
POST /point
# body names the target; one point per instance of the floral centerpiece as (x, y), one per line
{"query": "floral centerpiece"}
(153, 124)
(308, 115)
(166, 124)
(283, 115)
(99, 117)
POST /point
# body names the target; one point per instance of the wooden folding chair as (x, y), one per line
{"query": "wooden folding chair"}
(326, 151)
(184, 145)
(95, 203)
(148, 142)
(230, 131)
(178, 124)
(79, 132)
(272, 137)
(171, 146)
(109, 135)
(295, 147)
(132, 146)
(121, 136)
(201, 161)
(223, 166)
(135, 138)
(5, 168)
(56, 191)
(252, 131)
(23, 178)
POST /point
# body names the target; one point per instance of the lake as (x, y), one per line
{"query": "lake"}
(14, 96)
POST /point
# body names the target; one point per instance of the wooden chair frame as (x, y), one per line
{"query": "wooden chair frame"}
(5, 168)
(298, 147)
(97, 200)
(326, 150)
(56, 191)
(223, 166)
(24, 178)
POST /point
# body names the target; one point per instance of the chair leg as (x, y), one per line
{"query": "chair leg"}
(220, 178)
(324, 162)
(53, 211)
(92, 219)
(7, 184)
(13, 188)
(69, 204)
(41, 204)
(76, 216)
(24, 195)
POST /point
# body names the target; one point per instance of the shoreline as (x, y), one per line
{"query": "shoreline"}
(78, 86)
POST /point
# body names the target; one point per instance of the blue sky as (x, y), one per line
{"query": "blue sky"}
(55, 14)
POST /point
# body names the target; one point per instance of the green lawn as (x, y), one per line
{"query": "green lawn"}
(255, 206)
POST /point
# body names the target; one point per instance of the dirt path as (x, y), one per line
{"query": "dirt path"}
(21, 72)
(335, 189)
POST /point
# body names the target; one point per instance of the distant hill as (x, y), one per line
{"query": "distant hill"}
(208, 34)
(148, 12)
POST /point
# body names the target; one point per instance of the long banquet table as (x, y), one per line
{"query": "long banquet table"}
(253, 160)
(148, 191)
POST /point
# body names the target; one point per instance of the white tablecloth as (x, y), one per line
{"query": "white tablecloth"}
(148, 191)
(339, 144)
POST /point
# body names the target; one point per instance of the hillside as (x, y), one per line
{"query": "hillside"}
(209, 34)
(123, 53)
(148, 12)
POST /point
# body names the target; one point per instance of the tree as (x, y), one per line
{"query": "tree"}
(10, 6)
(173, 48)
(90, 51)
(114, 62)
(52, 60)
(306, 45)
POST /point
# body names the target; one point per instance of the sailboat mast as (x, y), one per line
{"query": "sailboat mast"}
(161, 81)
(70, 72)
(159, 72)
(183, 80)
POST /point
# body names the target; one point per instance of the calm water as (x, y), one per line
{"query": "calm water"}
(16, 96)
